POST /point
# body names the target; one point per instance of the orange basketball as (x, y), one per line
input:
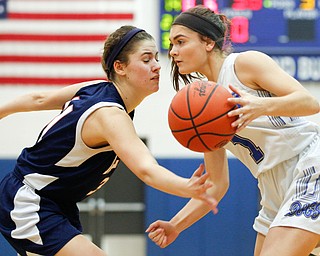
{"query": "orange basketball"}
(198, 116)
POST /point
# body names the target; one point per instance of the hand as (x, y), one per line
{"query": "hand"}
(162, 233)
(199, 185)
(250, 108)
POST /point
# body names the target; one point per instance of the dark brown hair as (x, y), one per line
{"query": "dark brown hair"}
(123, 56)
(220, 21)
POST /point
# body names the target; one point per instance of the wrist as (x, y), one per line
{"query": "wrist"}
(177, 224)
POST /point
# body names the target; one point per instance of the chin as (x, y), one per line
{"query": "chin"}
(183, 71)
(154, 89)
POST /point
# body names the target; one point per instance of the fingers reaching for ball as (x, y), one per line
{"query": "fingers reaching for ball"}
(249, 108)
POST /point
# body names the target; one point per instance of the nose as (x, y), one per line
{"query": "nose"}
(156, 67)
(173, 51)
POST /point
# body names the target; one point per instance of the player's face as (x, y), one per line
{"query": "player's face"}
(188, 51)
(143, 69)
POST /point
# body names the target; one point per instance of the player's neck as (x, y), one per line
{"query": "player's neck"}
(214, 67)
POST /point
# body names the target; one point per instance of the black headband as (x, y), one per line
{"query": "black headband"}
(201, 25)
(118, 47)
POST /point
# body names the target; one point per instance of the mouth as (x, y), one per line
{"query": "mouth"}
(157, 77)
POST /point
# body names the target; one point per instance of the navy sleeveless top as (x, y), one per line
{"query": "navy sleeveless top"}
(60, 165)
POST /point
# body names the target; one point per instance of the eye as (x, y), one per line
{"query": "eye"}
(146, 58)
(149, 58)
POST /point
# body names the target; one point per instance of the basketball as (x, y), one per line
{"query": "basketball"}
(198, 117)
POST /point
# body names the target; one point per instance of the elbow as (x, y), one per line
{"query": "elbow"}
(38, 99)
(313, 105)
(144, 174)
(46, 101)
(225, 188)
(224, 185)
(219, 190)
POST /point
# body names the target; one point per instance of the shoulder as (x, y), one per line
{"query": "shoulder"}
(251, 65)
(111, 113)
(252, 58)
(254, 62)
(109, 122)
(108, 116)
(88, 85)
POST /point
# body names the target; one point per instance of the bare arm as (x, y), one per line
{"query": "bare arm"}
(112, 125)
(47, 100)
(164, 233)
(217, 166)
(258, 71)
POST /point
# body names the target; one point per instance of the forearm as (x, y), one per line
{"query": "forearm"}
(298, 103)
(47, 100)
(162, 179)
(217, 166)
(193, 211)
(25, 103)
(29, 102)
(260, 72)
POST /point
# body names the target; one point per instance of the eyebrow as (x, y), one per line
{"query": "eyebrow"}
(177, 36)
(148, 53)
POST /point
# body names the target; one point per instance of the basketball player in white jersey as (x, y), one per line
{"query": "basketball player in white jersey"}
(279, 147)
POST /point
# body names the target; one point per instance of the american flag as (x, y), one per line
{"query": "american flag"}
(56, 42)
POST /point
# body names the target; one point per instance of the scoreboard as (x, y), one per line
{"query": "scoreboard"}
(271, 25)
(287, 30)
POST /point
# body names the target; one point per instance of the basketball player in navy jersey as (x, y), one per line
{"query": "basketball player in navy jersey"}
(77, 152)
(280, 148)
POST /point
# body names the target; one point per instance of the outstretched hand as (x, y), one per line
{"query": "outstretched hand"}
(162, 233)
(200, 184)
(250, 108)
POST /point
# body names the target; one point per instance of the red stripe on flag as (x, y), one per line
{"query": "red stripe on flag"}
(51, 37)
(62, 37)
(50, 59)
(45, 81)
(70, 16)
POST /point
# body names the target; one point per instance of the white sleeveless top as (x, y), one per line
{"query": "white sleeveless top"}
(267, 140)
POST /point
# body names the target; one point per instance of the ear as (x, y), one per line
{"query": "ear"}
(210, 44)
(119, 68)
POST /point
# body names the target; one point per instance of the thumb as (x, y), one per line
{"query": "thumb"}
(153, 226)
(199, 171)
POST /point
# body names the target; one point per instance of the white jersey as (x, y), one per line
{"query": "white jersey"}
(267, 140)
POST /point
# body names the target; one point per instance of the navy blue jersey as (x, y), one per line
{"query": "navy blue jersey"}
(60, 165)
